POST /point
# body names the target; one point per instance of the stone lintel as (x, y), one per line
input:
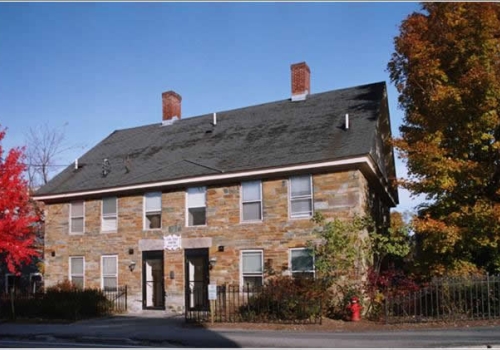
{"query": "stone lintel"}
(151, 244)
(191, 243)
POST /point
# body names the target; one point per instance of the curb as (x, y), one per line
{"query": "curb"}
(84, 339)
(105, 340)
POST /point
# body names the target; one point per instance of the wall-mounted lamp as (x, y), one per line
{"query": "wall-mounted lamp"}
(212, 262)
(131, 266)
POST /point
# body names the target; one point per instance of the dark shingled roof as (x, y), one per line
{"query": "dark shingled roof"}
(275, 134)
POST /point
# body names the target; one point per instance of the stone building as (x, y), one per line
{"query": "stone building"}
(169, 207)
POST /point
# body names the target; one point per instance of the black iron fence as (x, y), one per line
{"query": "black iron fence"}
(252, 304)
(27, 304)
(448, 298)
(118, 297)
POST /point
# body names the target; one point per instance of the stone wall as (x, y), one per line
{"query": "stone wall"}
(340, 194)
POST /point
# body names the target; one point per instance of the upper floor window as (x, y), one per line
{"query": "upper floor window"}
(109, 272)
(77, 270)
(152, 210)
(252, 268)
(77, 217)
(251, 201)
(109, 220)
(196, 206)
(300, 195)
(302, 262)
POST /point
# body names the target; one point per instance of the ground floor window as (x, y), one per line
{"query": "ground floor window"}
(109, 272)
(77, 271)
(36, 282)
(302, 262)
(252, 268)
(11, 282)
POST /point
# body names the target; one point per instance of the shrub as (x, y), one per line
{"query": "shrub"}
(284, 299)
(391, 283)
(63, 301)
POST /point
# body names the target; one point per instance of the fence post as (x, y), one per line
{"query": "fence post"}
(386, 309)
(488, 291)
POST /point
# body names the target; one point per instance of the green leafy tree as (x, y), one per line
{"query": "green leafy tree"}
(342, 250)
(446, 67)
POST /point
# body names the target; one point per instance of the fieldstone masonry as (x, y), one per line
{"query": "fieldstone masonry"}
(336, 194)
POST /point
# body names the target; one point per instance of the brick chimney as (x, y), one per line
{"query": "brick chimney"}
(171, 106)
(301, 81)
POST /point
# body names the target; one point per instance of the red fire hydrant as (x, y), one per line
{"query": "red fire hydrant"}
(355, 309)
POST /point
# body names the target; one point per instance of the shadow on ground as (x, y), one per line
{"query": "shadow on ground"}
(144, 330)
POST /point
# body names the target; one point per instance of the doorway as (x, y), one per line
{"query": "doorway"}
(153, 295)
(197, 279)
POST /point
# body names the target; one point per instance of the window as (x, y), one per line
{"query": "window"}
(109, 220)
(300, 196)
(109, 272)
(251, 201)
(11, 282)
(302, 262)
(77, 217)
(152, 210)
(196, 207)
(76, 270)
(36, 282)
(251, 268)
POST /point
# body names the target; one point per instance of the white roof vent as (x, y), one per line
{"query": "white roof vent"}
(169, 121)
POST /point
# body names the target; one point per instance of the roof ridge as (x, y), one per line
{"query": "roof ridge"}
(209, 115)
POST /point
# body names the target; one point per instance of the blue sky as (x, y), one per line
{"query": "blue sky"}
(98, 67)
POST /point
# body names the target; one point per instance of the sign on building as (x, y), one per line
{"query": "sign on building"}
(172, 242)
(212, 292)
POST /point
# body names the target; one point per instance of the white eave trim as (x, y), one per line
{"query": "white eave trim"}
(241, 175)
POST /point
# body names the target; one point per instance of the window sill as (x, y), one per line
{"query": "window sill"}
(76, 233)
(195, 226)
(250, 222)
(106, 232)
(151, 229)
(300, 217)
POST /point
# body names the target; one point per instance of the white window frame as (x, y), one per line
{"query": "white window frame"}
(76, 275)
(31, 277)
(115, 216)
(108, 275)
(242, 203)
(144, 198)
(291, 215)
(76, 217)
(188, 207)
(242, 285)
(291, 266)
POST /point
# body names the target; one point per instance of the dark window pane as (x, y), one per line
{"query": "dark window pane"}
(77, 281)
(252, 282)
(302, 260)
(153, 220)
(197, 216)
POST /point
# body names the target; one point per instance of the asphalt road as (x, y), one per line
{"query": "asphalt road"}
(126, 331)
(15, 343)
(478, 337)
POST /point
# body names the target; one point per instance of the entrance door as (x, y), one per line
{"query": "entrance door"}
(153, 296)
(197, 279)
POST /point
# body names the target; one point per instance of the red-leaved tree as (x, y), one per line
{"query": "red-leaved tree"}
(18, 217)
